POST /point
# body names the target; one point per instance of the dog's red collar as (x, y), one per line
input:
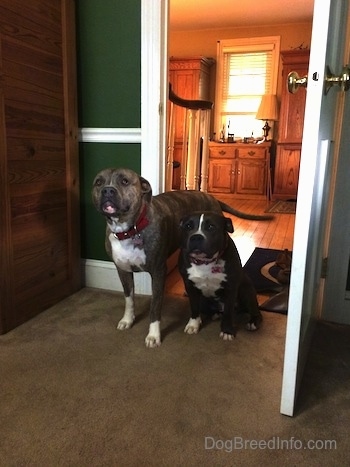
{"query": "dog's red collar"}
(141, 223)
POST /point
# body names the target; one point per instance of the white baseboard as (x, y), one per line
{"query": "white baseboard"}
(103, 275)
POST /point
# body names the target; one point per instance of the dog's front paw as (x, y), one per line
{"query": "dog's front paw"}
(193, 325)
(153, 338)
(254, 323)
(129, 317)
(125, 324)
(227, 337)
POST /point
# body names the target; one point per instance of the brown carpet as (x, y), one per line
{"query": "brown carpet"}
(77, 392)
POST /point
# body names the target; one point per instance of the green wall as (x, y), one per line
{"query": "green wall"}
(109, 96)
(109, 63)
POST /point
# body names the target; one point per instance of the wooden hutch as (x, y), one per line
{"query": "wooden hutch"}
(189, 78)
(291, 122)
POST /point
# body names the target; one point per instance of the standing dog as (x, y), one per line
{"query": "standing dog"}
(211, 268)
(143, 231)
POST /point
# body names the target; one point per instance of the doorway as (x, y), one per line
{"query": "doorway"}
(203, 43)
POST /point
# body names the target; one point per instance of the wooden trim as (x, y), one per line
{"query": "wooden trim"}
(6, 269)
(71, 140)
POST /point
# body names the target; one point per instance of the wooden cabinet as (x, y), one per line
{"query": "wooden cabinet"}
(39, 166)
(189, 78)
(291, 122)
(238, 169)
(287, 171)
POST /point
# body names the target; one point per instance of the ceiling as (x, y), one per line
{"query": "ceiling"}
(208, 14)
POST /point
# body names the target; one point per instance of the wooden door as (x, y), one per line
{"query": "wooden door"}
(222, 175)
(287, 170)
(293, 105)
(251, 177)
(39, 189)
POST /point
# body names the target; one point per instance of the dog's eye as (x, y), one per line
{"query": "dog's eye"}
(98, 182)
(187, 226)
(211, 227)
(125, 181)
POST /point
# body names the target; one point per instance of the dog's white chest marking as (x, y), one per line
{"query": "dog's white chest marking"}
(208, 277)
(125, 255)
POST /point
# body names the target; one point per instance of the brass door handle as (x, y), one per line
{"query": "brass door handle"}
(343, 80)
(294, 82)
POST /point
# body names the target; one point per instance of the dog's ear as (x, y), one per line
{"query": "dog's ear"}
(228, 225)
(146, 189)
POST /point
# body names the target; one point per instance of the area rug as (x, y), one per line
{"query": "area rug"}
(283, 207)
(262, 270)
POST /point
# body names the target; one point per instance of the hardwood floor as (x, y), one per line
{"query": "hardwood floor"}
(277, 234)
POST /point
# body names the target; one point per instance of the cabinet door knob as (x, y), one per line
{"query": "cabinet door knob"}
(251, 153)
(222, 153)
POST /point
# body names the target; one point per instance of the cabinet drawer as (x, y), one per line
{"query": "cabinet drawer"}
(222, 151)
(254, 152)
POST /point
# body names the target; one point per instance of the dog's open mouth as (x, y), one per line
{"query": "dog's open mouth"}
(109, 208)
(198, 256)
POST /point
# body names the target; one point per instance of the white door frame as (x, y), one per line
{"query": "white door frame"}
(154, 91)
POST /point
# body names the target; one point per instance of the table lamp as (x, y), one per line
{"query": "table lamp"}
(267, 111)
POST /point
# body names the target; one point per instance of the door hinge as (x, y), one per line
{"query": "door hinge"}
(324, 268)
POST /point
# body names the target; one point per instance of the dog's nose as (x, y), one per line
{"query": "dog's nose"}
(108, 191)
(195, 241)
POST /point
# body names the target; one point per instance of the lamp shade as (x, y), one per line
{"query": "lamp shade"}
(268, 108)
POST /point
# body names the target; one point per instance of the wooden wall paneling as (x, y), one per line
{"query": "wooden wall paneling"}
(6, 257)
(71, 142)
(40, 160)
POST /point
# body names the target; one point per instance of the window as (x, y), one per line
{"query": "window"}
(247, 69)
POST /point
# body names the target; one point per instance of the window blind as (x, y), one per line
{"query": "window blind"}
(247, 76)
(247, 69)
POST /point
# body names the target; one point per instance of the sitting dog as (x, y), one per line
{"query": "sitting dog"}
(143, 231)
(211, 268)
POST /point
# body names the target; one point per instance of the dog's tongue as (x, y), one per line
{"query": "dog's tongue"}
(109, 208)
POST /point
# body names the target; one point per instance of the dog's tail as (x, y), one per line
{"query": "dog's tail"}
(243, 215)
